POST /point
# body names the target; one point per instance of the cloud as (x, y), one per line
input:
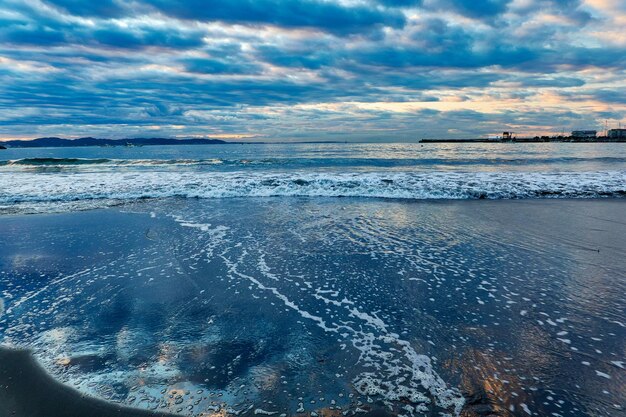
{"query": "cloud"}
(298, 56)
(218, 66)
(141, 37)
(548, 81)
(57, 33)
(99, 8)
(275, 67)
(15, 32)
(400, 3)
(477, 9)
(317, 14)
(322, 15)
(501, 55)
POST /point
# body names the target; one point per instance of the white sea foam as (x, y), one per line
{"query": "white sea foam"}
(37, 188)
(394, 370)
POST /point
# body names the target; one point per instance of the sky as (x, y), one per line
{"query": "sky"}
(356, 70)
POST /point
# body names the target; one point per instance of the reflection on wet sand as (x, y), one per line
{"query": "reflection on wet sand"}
(489, 389)
(27, 390)
(298, 308)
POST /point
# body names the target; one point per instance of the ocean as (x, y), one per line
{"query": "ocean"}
(32, 177)
(322, 279)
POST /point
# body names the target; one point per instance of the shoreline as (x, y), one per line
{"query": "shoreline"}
(28, 390)
(117, 204)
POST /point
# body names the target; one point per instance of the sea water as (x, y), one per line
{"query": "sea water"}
(323, 279)
(34, 177)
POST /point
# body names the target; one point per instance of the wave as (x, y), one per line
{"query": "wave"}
(54, 161)
(104, 161)
(28, 187)
(287, 162)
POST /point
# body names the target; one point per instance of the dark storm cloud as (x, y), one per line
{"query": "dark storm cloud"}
(425, 80)
(100, 8)
(549, 81)
(610, 96)
(20, 33)
(438, 35)
(318, 14)
(217, 66)
(133, 89)
(572, 9)
(475, 8)
(602, 95)
(399, 57)
(328, 16)
(400, 3)
(304, 56)
(491, 10)
(143, 37)
(61, 33)
(580, 58)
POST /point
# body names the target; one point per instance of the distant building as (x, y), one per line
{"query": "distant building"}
(584, 134)
(616, 133)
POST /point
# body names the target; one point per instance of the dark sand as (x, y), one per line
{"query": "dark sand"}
(26, 390)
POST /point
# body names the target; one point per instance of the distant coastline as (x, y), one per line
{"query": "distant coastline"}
(54, 142)
(562, 139)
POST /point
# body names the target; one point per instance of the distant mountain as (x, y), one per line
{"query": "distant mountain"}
(88, 141)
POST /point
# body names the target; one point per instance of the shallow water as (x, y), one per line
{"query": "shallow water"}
(327, 305)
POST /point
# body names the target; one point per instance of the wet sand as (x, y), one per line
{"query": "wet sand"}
(522, 301)
(28, 391)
